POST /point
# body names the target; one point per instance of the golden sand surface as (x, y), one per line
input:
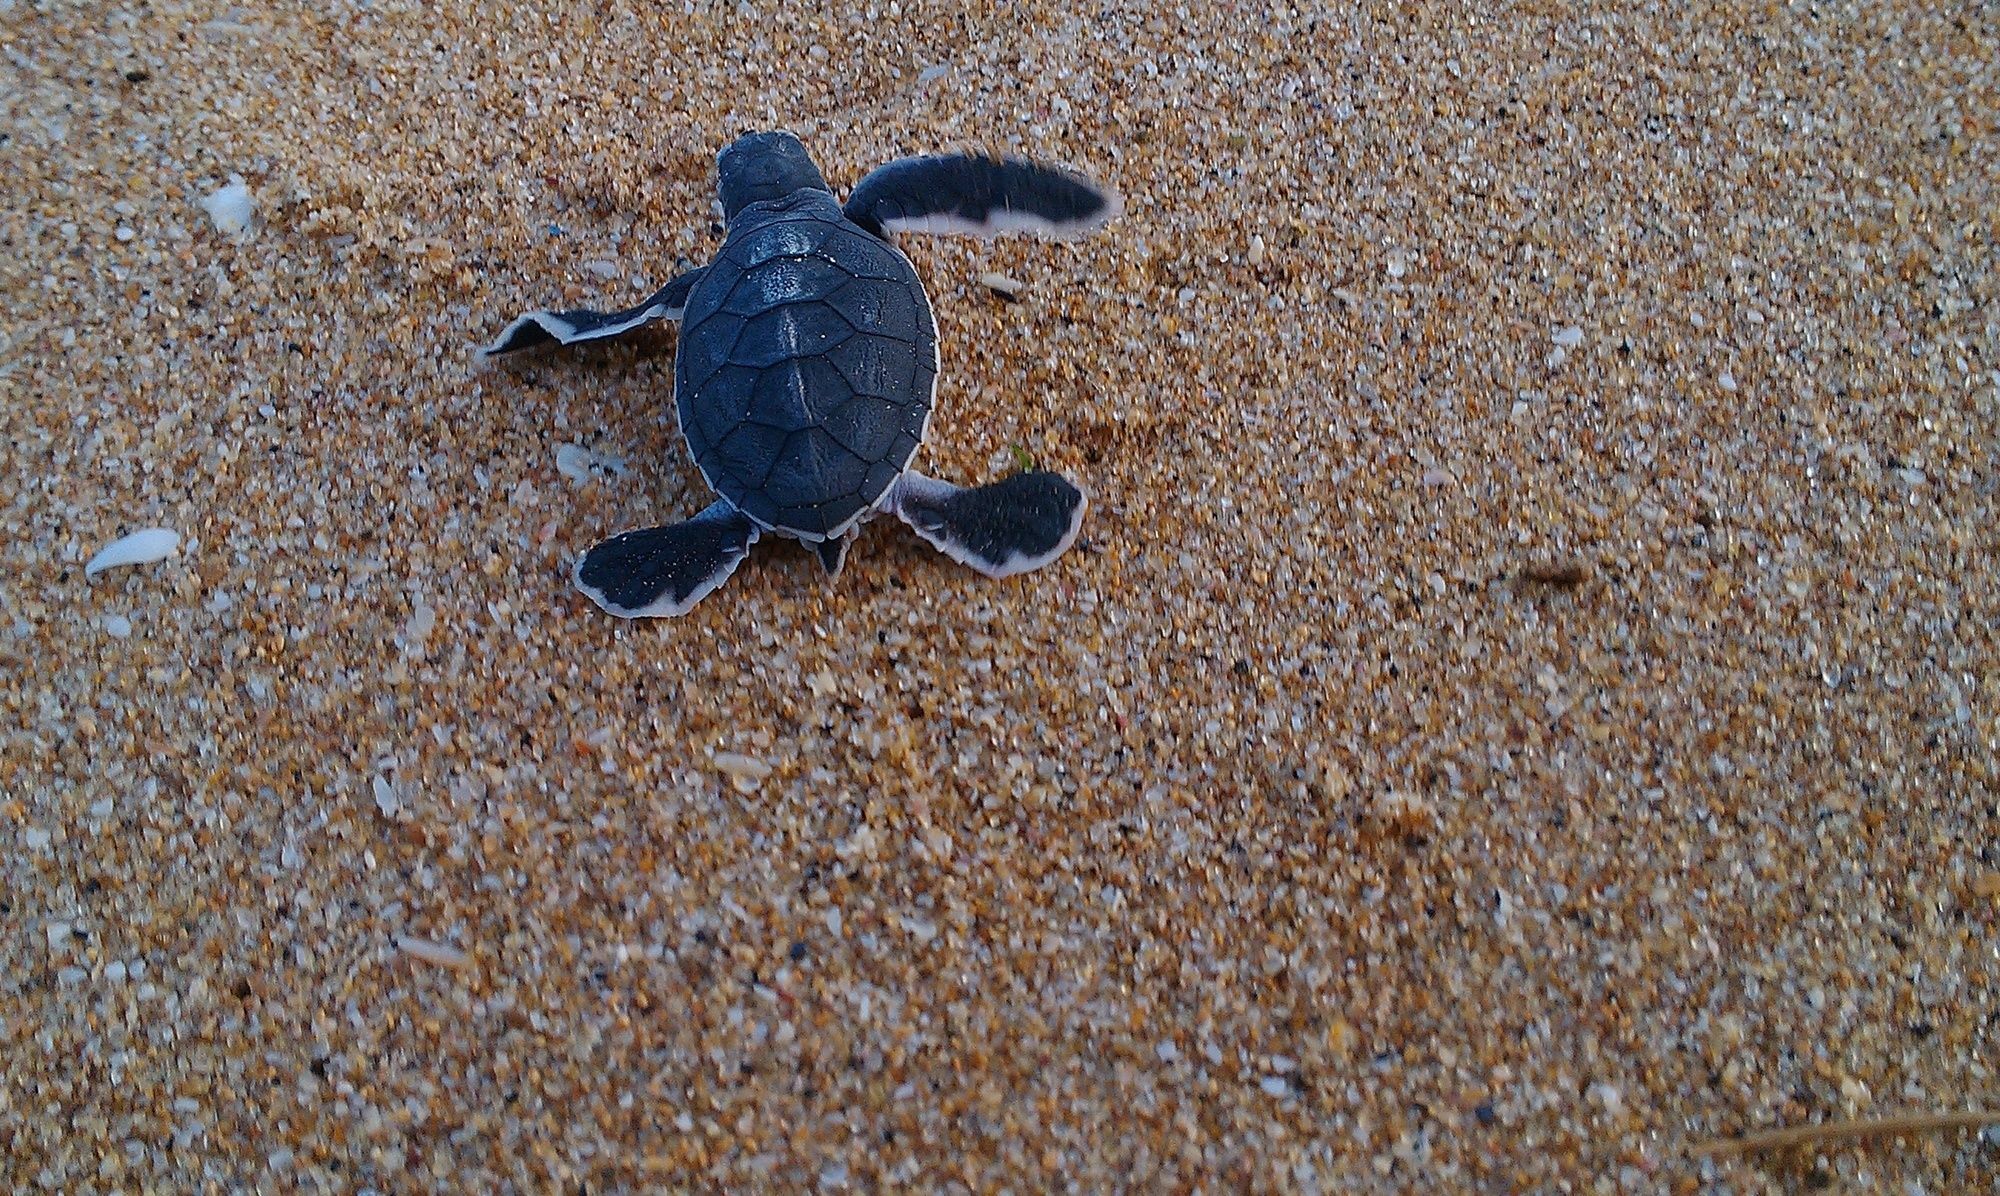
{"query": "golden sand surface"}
(1524, 705)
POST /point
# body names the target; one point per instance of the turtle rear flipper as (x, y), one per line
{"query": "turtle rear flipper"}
(660, 571)
(539, 328)
(964, 193)
(1000, 529)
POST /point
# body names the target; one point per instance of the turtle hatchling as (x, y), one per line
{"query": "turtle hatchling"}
(807, 363)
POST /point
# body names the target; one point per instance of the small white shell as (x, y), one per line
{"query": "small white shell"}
(229, 208)
(441, 954)
(139, 548)
(745, 772)
(1002, 285)
(578, 463)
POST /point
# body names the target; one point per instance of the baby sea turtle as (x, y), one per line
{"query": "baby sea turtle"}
(806, 367)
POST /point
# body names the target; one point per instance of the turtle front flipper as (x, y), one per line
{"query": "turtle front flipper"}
(963, 193)
(539, 328)
(1000, 529)
(660, 571)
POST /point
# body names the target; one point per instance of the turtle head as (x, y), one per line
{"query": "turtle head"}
(761, 166)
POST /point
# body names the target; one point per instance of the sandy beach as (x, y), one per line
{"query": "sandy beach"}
(1524, 709)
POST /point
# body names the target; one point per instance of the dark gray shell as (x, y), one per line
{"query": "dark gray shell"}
(807, 360)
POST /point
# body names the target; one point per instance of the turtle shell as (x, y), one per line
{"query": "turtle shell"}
(807, 361)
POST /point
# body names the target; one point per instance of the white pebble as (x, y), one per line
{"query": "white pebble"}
(1609, 1097)
(1399, 262)
(422, 620)
(124, 233)
(115, 971)
(72, 975)
(934, 71)
(1257, 249)
(1568, 338)
(35, 837)
(1275, 1085)
(1727, 381)
(229, 208)
(117, 626)
(602, 268)
(58, 933)
(573, 462)
(139, 548)
(101, 808)
(385, 796)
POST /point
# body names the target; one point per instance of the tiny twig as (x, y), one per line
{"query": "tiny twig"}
(1561, 575)
(1902, 1123)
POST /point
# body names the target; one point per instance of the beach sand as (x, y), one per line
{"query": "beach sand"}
(1524, 705)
